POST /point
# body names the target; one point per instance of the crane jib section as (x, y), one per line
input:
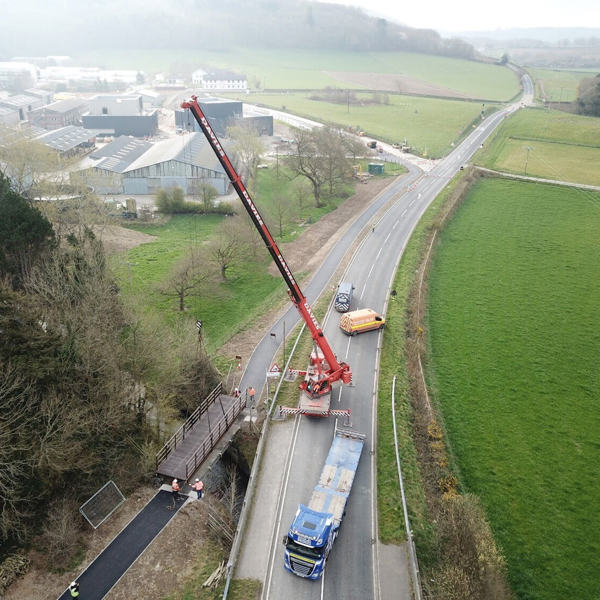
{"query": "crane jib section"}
(336, 370)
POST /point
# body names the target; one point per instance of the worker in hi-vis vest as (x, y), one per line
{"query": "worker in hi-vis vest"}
(74, 589)
(199, 487)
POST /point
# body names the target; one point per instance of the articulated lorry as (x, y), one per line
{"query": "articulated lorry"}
(315, 527)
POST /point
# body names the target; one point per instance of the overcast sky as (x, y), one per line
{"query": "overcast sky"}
(479, 15)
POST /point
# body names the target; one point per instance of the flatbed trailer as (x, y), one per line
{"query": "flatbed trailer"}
(316, 525)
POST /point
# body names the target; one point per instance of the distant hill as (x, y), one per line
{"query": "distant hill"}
(536, 36)
(39, 27)
(549, 47)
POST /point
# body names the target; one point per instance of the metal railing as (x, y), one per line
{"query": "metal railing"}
(414, 564)
(215, 435)
(179, 435)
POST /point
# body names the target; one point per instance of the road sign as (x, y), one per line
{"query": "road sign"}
(274, 371)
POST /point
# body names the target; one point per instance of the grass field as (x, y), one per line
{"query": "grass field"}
(513, 323)
(250, 289)
(429, 125)
(279, 189)
(561, 146)
(556, 85)
(305, 69)
(222, 310)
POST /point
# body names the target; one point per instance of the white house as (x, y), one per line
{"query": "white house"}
(219, 80)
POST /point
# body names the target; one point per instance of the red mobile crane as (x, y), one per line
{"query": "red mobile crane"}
(324, 368)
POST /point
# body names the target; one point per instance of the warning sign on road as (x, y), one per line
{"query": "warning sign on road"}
(274, 371)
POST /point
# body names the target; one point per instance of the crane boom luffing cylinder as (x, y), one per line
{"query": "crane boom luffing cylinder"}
(333, 370)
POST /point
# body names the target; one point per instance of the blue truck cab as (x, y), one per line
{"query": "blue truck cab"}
(316, 525)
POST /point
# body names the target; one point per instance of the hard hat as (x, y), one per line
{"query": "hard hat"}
(73, 583)
(197, 479)
(174, 480)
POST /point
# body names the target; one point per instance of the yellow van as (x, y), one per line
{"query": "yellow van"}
(361, 320)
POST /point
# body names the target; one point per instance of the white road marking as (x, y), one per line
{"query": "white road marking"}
(282, 492)
(380, 249)
(395, 224)
(370, 271)
(387, 238)
(404, 212)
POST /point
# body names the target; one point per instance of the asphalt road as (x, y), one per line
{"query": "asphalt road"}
(353, 569)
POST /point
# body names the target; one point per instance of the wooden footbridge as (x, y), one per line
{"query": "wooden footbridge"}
(187, 449)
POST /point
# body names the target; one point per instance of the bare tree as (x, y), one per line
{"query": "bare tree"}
(15, 460)
(186, 278)
(247, 149)
(306, 161)
(301, 193)
(281, 212)
(320, 156)
(225, 251)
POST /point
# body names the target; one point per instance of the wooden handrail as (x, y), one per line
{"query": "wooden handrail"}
(222, 426)
(179, 435)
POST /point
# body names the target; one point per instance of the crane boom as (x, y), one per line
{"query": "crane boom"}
(336, 370)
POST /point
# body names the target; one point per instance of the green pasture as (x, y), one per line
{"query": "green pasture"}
(429, 125)
(313, 69)
(514, 364)
(224, 308)
(556, 85)
(277, 196)
(553, 145)
(277, 199)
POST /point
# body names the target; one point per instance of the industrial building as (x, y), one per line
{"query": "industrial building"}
(130, 166)
(222, 114)
(121, 115)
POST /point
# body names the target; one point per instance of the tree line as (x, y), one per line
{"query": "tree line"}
(84, 384)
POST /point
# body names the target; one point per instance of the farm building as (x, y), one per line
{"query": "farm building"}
(58, 114)
(22, 103)
(130, 166)
(69, 140)
(44, 95)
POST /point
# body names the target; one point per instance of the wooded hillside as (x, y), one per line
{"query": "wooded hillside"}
(204, 24)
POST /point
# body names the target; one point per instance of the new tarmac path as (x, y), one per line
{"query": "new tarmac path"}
(114, 561)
